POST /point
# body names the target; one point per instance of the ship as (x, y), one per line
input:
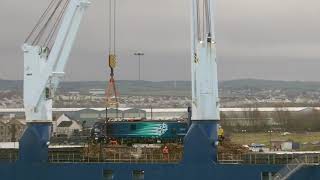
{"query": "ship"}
(44, 62)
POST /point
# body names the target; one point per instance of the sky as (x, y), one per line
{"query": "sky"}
(261, 39)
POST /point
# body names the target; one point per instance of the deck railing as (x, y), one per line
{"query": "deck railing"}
(263, 158)
(119, 157)
(295, 165)
(114, 158)
(8, 156)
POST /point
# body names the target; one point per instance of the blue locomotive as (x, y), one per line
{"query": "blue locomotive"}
(139, 131)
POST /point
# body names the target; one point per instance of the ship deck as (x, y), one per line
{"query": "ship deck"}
(122, 154)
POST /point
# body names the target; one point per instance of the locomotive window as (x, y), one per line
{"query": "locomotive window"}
(133, 127)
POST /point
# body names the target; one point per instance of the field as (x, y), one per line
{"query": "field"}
(264, 138)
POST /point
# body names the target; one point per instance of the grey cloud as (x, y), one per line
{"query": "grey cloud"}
(268, 39)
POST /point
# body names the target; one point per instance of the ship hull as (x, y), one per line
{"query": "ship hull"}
(124, 171)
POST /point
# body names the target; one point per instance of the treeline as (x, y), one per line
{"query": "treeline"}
(253, 120)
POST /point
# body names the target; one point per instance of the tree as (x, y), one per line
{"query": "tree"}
(282, 117)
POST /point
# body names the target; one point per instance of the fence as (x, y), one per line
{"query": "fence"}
(263, 158)
(115, 158)
(8, 155)
(63, 156)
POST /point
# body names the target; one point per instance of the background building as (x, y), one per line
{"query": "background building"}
(11, 130)
(66, 126)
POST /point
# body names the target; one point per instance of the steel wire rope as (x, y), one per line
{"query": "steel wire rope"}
(40, 20)
(203, 20)
(108, 20)
(114, 26)
(38, 38)
(209, 18)
(110, 28)
(56, 24)
(43, 26)
(114, 48)
(198, 20)
(41, 33)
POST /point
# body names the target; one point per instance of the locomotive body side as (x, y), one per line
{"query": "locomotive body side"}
(141, 132)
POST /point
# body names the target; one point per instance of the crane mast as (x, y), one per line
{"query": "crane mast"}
(44, 67)
(46, 52)
(205, 102)
(203, 131)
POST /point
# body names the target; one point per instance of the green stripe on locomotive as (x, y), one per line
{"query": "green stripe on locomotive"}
(161, 130)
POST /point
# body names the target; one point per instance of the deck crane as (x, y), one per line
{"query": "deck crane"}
(44, 67)
(205, 100)
(46, 52)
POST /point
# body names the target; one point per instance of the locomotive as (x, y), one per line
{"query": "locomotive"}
(126, 132)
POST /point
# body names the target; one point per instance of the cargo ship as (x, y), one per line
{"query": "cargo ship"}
(45, 56)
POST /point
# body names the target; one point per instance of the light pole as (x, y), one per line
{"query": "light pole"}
(243, 133)
(270, 133)
(139, 54)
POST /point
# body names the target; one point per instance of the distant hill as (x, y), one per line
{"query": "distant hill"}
(11, 84)
(176, 88)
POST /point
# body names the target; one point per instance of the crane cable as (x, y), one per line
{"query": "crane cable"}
(38, 37)
(56, 24)
(39, 21)
(110, 33)
(207, 18)
(198, 20)
(112, 26)
(203, 20)
(111, 91)
(112, 36)
(41, 32)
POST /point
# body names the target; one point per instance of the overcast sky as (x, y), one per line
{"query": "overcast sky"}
(265, 39)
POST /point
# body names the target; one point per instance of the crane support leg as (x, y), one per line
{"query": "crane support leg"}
(203, 131)
(34, 143)
(201, 134)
